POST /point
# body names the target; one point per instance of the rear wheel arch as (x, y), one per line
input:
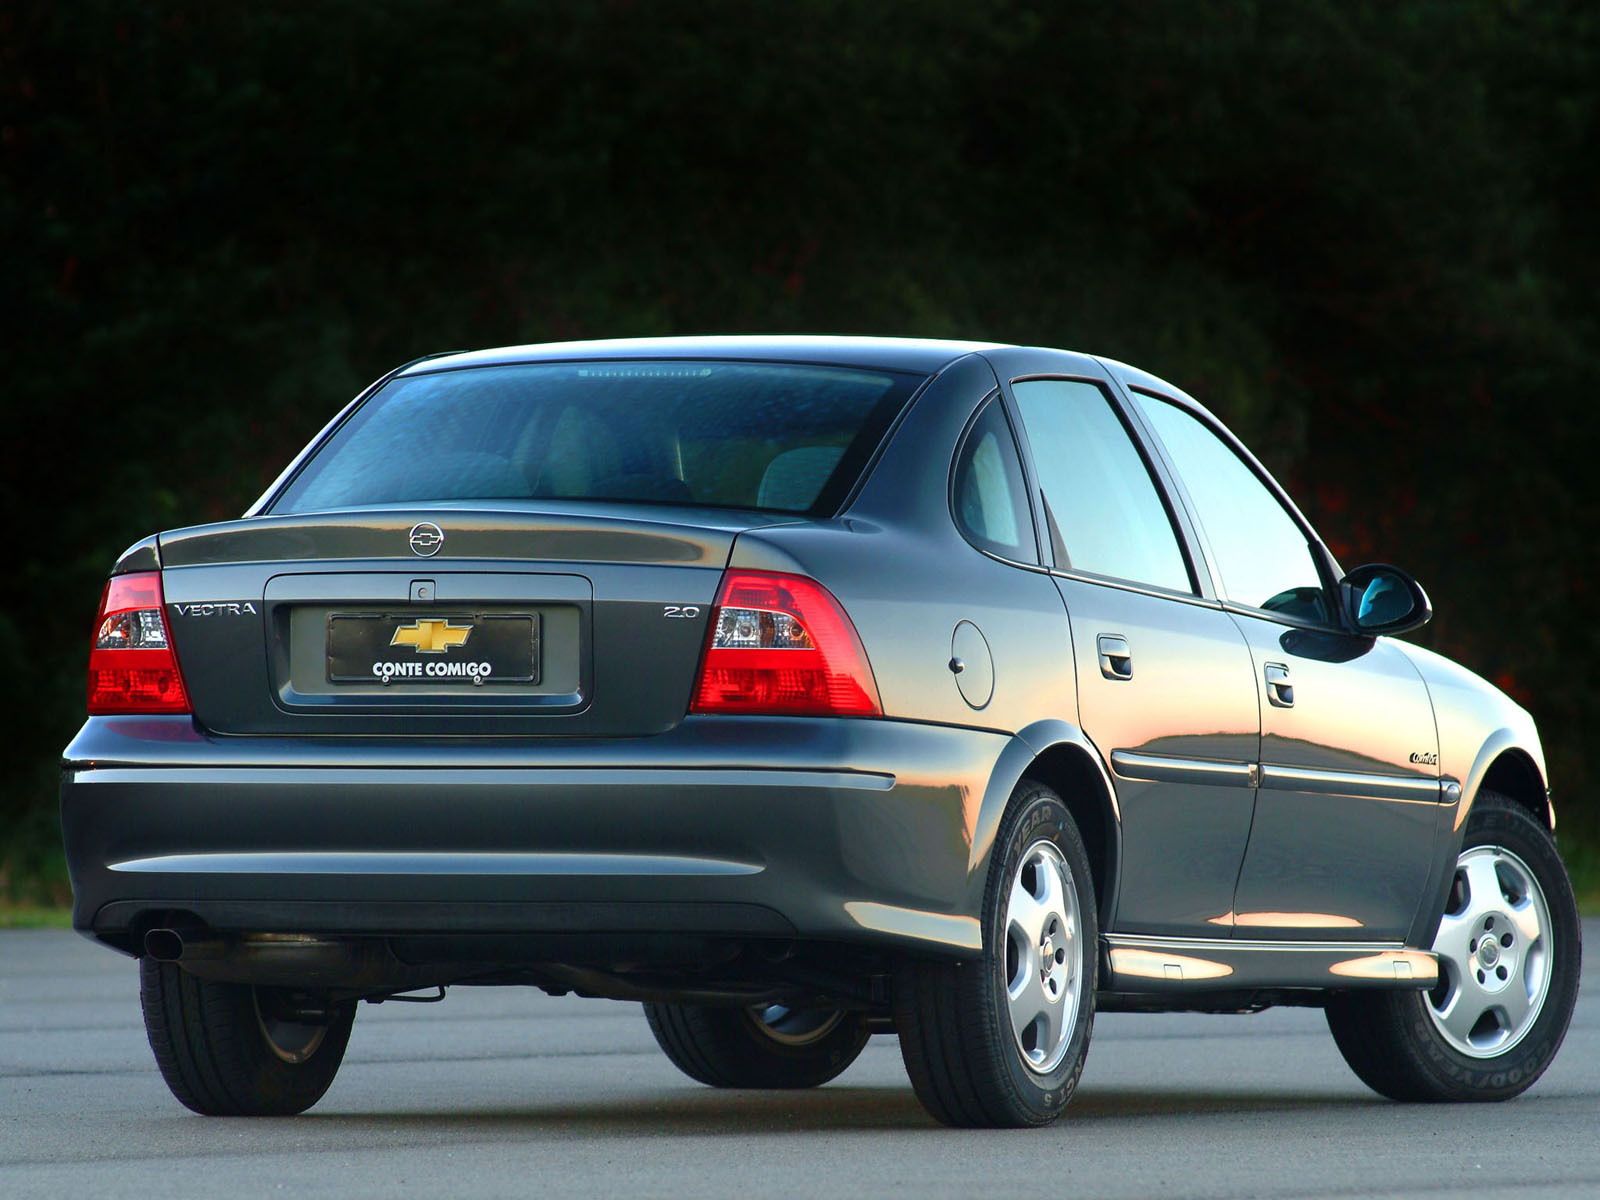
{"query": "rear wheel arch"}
(1067, 763)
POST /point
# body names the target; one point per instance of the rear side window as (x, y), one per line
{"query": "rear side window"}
(1101, 506)
(989, 498)
(746, 435)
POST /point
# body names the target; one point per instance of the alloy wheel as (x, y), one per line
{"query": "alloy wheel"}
(794, 1026)
(1494, 954)
(291, 1041)
(1044, 956)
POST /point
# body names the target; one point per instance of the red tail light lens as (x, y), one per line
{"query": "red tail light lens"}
(780, 644)
(132, 668)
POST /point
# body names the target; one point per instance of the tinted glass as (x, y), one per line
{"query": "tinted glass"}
(1259, 549)
(991, 500)
(1101, 505)
(747, 435)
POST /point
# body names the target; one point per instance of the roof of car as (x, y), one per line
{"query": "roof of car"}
(884, 353)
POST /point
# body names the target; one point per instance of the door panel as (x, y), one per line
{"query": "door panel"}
(1343, 834)
(1180, 732)
(1164, 688)
(1342, 838)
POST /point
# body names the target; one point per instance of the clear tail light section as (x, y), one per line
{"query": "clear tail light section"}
(132, 668)
(781, 645)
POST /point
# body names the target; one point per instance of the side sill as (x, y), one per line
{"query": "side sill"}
(1153, 964)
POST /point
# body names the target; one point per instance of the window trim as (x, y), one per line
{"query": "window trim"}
(982, 407)
(1199, 582)
(1321, 559)
(1142, 589)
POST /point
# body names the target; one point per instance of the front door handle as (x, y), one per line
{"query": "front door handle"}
(1116, 660)
(1280, 692)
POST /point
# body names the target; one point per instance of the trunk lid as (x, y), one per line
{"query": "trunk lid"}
(510, 621)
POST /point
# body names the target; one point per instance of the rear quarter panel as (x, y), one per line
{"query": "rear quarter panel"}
(907, 578)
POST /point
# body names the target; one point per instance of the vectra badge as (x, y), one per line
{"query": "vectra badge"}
(426, 538)
(431, 636)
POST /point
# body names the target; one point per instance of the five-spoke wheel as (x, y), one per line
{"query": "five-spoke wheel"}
(762, 1046)
(1494, 954)
(1001, 1040)
(229, 1049)
(1043, 956)
(1509, 953)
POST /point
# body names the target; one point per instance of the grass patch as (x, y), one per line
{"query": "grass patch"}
(30, 916)
(1583, 864)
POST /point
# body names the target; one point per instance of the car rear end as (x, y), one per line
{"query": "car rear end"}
(477, 693)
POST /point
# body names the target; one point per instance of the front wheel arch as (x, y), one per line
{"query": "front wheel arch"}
(1503, 766)
(1513, 775)
(1393, 1041)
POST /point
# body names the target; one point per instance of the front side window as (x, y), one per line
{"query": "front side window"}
(990, 498)
(1101, 506)
(1260, 551)
(777, 436)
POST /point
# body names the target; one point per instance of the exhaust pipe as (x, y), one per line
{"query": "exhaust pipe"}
(290, 960)
(169, 945)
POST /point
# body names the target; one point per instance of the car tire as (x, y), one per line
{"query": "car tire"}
(1496, 1018)
(225, 1053)
(1000, 1041)
(764, 1046)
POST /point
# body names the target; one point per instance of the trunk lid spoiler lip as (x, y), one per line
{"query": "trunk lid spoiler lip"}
(143, 555)
(503, 531)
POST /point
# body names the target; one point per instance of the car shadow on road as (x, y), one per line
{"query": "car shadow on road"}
(825, 1109)
(1130, 1102)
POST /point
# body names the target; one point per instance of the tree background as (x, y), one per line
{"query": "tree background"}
(1366, 234)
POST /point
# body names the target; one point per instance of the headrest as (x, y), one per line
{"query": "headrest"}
(794, 479)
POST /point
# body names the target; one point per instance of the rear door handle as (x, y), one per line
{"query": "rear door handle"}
(1280, 692)
(1116, 660)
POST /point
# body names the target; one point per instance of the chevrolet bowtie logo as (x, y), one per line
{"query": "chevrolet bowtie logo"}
(431, 635)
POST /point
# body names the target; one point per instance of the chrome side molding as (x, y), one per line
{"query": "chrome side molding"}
(1165, 768)
(1349, 783)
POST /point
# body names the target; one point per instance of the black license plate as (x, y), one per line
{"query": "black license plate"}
(439, 648)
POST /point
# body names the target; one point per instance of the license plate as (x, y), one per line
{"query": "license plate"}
(440, 648)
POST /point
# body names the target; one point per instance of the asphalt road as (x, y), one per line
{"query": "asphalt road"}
(502, 1092)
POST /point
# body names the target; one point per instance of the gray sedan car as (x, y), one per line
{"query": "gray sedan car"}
(803, 689)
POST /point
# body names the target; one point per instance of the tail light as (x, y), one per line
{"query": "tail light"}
(780, 644)
(132, 668)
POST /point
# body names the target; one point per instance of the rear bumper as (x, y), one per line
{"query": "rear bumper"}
(846, 830)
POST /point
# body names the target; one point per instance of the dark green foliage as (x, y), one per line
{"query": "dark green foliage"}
(1364, 233)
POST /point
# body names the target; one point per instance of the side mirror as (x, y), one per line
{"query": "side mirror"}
(1382, 599)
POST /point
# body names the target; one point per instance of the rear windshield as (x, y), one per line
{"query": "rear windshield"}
(745, 435)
